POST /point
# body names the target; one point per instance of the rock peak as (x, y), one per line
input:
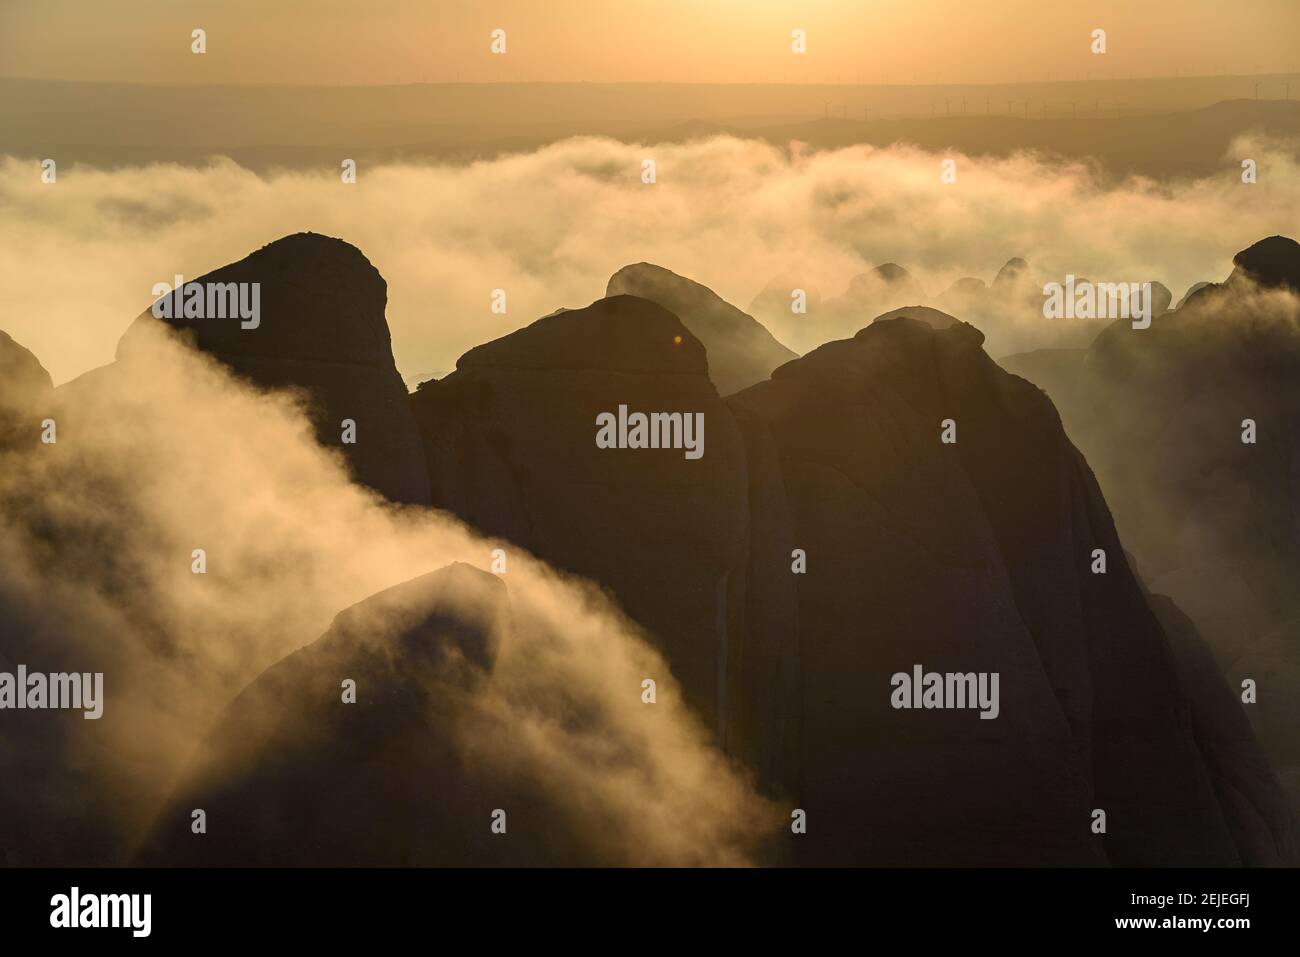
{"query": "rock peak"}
(20, 367)
(1273, 262)
(740, 348)
(620, 333)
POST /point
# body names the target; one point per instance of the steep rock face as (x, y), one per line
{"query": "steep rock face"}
(23, 380)
(973, 557)
(1254, 803)
(19, 369)
(1213, 518)
(321, 330)
(970, 557)
(765, 606)
(512, 444)
(1272, 663)
(740, 350)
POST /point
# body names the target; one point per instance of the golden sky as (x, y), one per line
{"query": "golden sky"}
(850, 41)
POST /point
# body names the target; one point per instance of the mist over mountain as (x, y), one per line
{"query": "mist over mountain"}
(1191, 428)
(459, 461)
(446, 236)
(1008, 310)
(445, 674)
(186, 531)
(771, 561)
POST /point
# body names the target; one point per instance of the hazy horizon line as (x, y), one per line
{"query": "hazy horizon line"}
(682, 83)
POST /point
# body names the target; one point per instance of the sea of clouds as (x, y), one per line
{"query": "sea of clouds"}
(78, 258)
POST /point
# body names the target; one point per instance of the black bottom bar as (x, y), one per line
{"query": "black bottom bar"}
(636, 907)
